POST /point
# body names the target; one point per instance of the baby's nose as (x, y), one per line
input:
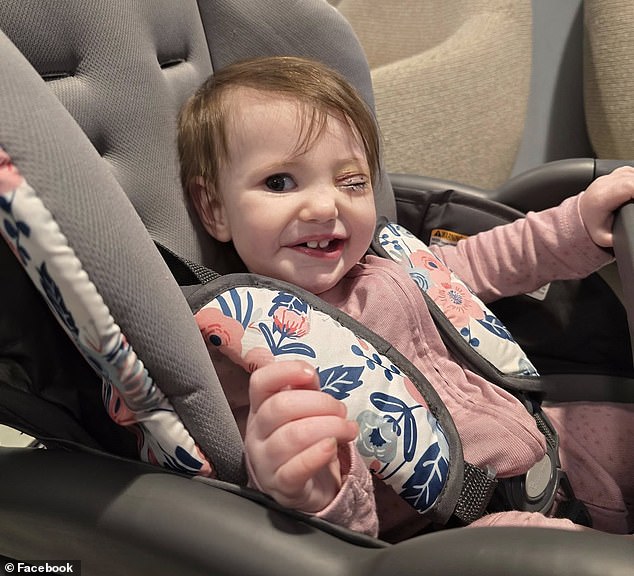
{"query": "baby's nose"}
(319, 205)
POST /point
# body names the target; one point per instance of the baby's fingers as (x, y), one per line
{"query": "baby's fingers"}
(268, 380)
(297, 477)
(301, 410)
(284, 443)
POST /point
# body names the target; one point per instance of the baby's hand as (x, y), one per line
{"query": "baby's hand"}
(598, 203)
(293, 436)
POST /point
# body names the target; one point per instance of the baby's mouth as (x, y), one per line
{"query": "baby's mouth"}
(330, 245)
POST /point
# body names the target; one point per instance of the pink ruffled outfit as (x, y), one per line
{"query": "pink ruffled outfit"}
(495, 429)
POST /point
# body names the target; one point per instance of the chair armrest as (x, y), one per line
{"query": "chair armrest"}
(542, 187)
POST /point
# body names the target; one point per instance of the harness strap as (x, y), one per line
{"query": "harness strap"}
(477, 490)
(537, 489)
(186, 272)
(480, 491)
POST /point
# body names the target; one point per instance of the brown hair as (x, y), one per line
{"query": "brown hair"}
(202, 123)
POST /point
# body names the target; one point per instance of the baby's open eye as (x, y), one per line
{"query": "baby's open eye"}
(280, 182)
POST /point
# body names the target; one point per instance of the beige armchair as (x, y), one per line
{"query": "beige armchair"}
(609, 77)
(451, 81)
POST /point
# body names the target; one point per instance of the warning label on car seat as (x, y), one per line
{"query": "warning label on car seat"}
(441, 237)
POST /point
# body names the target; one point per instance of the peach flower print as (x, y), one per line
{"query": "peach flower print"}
(10, 178)
(456, 302)
(221, 332)
(437, 272)
(291, 323)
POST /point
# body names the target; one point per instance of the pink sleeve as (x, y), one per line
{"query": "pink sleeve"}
(522, 256)
(518, 519)
(354, 506)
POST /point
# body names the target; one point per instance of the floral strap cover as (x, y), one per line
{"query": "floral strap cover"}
(407, 437)
(130, 395)
(466, 315)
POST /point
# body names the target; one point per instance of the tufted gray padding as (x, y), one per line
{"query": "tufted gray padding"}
(239, 29)
(609, 77)
(124, 83)
(79, 188)
(123, 69)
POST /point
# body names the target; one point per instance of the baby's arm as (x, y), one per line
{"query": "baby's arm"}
(298, 445)
(560, 243)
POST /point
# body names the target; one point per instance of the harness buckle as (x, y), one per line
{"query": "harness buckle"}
(536, 490)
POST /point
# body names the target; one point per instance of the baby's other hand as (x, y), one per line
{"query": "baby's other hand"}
(294, 432)
(600, 200)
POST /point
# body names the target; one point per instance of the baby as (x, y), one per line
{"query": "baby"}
(280, 156)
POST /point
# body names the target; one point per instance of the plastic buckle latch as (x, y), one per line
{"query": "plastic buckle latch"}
(534, 491)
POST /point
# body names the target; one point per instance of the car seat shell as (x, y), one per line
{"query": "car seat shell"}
(119, 516)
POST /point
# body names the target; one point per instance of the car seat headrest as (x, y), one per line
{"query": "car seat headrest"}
(98, 223)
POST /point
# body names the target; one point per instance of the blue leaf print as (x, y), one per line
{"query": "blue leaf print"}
(5, 204)
(11, 230)
(249, 312)
(56, 300)
(24, 255)
(374, 361)
(423, 487)
(466, 334)
(268, 336)
(421, 279)
(393, 228)
(494, 325)
(296, 348)
(410, 436)
(289, 301)
(339, 381)
(392, 404)
(187, 459)
(24, 228)
(278, 348)
(387, 403)
(224, 306)
(182, 461)
(237, 303)
(356, 350)
(243, 318)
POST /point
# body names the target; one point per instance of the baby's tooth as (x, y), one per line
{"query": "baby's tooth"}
(312, 244)
(324, 243)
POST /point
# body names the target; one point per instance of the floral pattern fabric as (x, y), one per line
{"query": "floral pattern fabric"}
(399, 439)
(130, 396)
(477, 325)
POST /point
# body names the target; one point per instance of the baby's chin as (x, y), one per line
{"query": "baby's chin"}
(314, 279)
(317, 285)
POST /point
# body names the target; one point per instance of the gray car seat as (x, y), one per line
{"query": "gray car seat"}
(88, 97)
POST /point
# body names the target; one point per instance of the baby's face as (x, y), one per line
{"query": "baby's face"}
(303, 216)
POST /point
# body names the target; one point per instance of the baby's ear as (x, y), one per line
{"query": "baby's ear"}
(210, 209)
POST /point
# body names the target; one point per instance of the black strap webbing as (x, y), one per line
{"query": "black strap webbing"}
(477, 489)
(186, 272)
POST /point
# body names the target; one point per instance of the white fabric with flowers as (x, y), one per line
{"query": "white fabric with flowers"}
(479, 327)
(400, 439)
(131, 397)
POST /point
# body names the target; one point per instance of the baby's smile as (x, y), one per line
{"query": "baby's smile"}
(322, 247)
